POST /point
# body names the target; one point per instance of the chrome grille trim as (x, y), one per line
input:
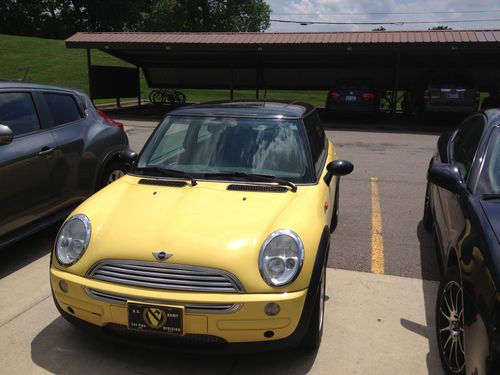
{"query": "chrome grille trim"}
(165, 276)
(191, 308)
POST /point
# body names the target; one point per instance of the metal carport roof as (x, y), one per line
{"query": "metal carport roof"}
(390, 59)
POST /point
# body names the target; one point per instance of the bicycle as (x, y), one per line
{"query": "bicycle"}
(168, 95)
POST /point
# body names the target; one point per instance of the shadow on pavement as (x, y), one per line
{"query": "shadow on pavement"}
(24, 252)
(429, 271)
(63, 349)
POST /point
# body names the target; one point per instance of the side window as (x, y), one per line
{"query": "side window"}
(63, 108)
(316, 137)
(18, 112)
(465, 144)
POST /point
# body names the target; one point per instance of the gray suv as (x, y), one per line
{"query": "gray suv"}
(56, 150)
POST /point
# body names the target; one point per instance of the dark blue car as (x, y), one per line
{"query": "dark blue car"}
(462, 208)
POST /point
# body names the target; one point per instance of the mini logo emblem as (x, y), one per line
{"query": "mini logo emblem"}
(154, 318)
(162, 255)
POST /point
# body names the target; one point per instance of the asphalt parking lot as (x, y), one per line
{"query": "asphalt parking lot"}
(381, 284)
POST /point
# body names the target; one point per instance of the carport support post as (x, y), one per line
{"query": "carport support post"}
(89, 64)
(394, 99)
(139, 79)
(231, 87)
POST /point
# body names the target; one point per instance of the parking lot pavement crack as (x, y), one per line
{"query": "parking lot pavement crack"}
(23, 312)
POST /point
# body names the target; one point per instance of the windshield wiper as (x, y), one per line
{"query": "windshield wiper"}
(490, 196)
(255, 177)
(165, 172)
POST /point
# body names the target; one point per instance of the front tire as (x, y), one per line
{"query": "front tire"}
(312, 339)
(450, 323)
(113, 172)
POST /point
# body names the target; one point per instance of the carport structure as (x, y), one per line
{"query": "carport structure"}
(390, 60)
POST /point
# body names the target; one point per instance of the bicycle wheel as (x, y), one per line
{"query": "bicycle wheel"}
(156, 97)
(179, 97)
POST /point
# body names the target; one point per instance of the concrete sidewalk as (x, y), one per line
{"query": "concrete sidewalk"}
(375, 324)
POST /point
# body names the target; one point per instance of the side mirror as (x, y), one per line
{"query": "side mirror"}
(127, 156)
(6, 135)
(337, 168)
(446, 176)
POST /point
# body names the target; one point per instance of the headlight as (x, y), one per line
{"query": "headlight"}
(281, 257)
(72, 240)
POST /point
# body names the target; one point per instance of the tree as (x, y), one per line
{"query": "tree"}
(440, 27)
(62, 18)
(207, 15)
(381, 28)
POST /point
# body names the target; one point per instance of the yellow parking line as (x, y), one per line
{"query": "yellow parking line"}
(377, 239)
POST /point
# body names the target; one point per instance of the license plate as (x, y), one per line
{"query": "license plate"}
(350, 98)
(155, 318)
(453, 96)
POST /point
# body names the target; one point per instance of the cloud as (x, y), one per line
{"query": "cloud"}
(376, 11)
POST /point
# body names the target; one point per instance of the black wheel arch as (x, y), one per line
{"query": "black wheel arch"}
(110, 157)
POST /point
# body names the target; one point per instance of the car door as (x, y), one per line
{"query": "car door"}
(67, 119)
(462, 151)
(318, 145)
(27, 164)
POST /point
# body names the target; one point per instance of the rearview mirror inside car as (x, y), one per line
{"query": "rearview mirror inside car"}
(6, 135)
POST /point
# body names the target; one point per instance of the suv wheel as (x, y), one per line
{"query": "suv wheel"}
(113, 172)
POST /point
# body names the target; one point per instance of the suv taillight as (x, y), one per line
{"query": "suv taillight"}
(334, 95)
(118, 124)
(368, 96)
(478, 95)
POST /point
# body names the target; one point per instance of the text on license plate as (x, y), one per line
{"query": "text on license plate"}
(145, 317)
(350, 98)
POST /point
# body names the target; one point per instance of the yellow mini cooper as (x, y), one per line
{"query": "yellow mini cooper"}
(218, 236)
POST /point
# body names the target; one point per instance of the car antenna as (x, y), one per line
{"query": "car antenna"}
(25, 74)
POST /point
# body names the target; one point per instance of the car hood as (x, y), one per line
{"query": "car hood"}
(205, 225)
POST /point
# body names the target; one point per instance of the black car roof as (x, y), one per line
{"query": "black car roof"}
(247, 108)
(34, 85)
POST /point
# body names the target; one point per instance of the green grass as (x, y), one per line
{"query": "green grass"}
(49, 61)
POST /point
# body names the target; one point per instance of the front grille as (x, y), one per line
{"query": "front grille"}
(191, 308)
(258, 188)
(189, 340)
(165, 276)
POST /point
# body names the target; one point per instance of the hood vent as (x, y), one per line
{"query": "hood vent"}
(144, 181)
(258, 188)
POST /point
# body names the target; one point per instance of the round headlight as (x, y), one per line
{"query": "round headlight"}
(72, 240)
(281, 257)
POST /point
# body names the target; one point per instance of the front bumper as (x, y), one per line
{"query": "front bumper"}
(103, 304)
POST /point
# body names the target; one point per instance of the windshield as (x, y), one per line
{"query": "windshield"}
(202, 146)
(489, 179)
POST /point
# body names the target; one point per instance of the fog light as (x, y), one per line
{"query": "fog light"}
(63, 285)
(272, 309)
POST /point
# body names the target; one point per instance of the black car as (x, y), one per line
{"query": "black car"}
(55, 151)
(442, 92)
(350, 96)
(462, 208)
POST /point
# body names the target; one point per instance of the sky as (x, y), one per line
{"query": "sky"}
(379, 11)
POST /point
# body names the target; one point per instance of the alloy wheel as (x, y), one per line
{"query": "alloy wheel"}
(451, 327)
(115, 175)
(322, 300)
